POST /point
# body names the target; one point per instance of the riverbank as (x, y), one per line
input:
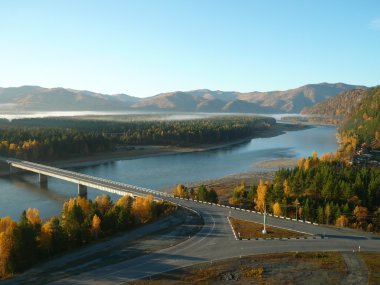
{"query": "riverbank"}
(134, 152)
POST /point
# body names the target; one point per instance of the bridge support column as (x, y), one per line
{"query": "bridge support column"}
(82, 190)
(43, 178)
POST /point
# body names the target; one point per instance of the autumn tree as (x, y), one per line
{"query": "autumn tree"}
(260, 199)
(8, 229)
(277, 209)
(142, 209)
(287, 189)
(361, 214)
(95, 226)
(179, 191)
(341, 221)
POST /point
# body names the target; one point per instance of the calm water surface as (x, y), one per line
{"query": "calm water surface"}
(23, 191)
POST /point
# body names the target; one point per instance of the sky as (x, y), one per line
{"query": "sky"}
(143, 48)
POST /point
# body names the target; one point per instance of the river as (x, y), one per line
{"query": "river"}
(23, 191)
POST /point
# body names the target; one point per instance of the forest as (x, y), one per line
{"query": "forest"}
(54, 138)
(363, 125)
(322, 190)
(31, 240)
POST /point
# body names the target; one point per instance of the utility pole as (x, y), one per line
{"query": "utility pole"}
(265, 214)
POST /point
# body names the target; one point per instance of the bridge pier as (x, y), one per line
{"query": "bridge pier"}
(42, 178)
(82, 190)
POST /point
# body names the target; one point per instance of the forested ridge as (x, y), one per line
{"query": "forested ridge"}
(363, 125)
(55, 138)
(337, 107)
(31, 240)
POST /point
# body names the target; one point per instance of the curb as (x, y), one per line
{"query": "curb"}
(244, 210)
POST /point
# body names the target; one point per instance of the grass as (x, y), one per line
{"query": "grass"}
(372, 260)
(279, 268)
(250, 230)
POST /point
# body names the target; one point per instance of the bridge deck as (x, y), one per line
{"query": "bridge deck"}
(86, 180)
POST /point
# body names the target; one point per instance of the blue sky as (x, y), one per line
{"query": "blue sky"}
(146, 47)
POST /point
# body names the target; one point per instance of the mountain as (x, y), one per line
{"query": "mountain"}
(34, 98)
(289, 101)
(338, 107)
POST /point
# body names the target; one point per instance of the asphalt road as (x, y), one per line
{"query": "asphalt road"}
(216, 241)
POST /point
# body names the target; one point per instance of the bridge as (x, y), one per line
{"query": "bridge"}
(82, 180)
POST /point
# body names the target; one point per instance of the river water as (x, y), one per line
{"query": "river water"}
(23, 191)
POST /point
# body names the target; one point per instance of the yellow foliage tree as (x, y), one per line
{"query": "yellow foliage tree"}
(315, 155)
(287, 189)
(361, 214)
(142, 208)
(300, 162)
(6, 223)
(341, 221)
(277, 209)
(261, 195)
(45, 237)
(95, 226)
(7, 244)
(307, 164)
(104, 203)
(179, 191)
(33, 216)
(123, 201)
(84, 204)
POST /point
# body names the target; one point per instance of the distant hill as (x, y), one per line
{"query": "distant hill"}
(34, 98)
(289, 101)
(338, 107)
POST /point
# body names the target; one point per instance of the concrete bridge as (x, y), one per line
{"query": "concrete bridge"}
(82, 180)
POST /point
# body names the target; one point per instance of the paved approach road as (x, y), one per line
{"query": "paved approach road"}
(216, 241)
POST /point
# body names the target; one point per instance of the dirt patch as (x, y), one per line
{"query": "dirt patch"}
(276, 163)
(285, 268)
(250, 230)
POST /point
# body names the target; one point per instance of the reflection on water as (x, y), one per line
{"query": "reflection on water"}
(19, 193)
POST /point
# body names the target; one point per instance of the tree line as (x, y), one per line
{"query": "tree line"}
(322, 190)
(30, 240)
(201, 193)
(55, 138)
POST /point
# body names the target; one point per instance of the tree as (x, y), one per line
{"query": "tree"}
(142, 209)
(361, 214)
(8, 229)
(95, 226)
(277, 209)
(202, 194)
(341, 221)
(104, 203)
(260, 200)
(287, 189)
(306, 210)
(327, 213)
(212, 196)
(179, 191)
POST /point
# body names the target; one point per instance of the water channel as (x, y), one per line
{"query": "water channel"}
(23, 191)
